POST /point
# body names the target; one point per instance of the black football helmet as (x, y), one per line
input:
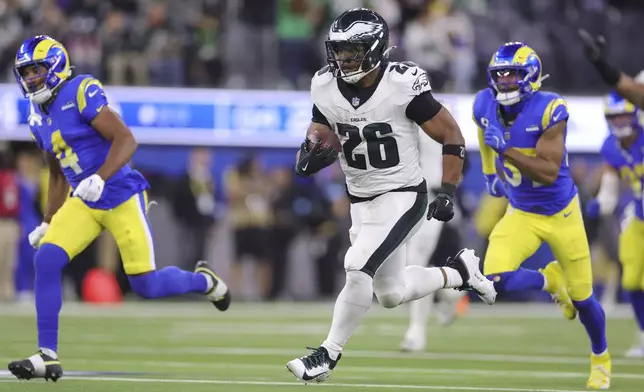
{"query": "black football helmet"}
(357, 43)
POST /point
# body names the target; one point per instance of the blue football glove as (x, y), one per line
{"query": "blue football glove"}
(592, 209)
(493, 137)
(494, 185)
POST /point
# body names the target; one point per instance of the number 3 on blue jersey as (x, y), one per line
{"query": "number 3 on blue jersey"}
(64, 153)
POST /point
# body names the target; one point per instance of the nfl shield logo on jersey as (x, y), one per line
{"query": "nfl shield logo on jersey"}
(506, 136)
(355, 101)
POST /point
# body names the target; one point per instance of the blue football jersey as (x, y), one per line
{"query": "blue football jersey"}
(541, 111)
(629, 165)
(63, 129)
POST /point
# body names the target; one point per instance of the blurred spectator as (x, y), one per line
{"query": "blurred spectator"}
(9, 228)
(273, 44)
(284, 228)
(164, 48)
(297, 21)
(331, 230)
(29, 164)
(123, 48)
(463, 61)
(248, 196)
(84, 43)
(252, 55)
(13, 21)
(193, 203)
(50, 19)
(428, 44)
(204, 54)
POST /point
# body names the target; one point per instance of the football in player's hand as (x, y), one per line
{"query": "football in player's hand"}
(328, 137)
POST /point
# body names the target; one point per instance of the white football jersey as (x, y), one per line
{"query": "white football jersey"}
(380, 150)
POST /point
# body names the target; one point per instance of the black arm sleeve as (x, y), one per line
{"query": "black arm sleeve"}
(423, 108)
(318, 117)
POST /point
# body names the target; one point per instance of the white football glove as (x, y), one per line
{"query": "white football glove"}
(37, 235)
(90, 189)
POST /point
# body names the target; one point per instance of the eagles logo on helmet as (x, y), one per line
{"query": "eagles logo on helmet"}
(357, 43)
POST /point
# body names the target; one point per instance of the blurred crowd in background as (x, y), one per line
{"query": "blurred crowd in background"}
(278, 44)
(267, 218)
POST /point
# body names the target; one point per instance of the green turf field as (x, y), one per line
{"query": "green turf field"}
(192, 347)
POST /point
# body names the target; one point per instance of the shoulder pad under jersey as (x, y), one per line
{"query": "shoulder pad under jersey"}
(408, 77)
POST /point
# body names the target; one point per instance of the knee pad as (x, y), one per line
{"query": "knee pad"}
(358, 288)
(145, 285)
(50, 257)
(355, 259)
(631, 281)
(389, 291)
(579, 289)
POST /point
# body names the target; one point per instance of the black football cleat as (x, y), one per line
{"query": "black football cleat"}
(39, 365)
(219, 295)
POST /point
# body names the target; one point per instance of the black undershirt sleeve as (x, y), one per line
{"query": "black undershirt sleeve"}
(423, 108)
(318, 117)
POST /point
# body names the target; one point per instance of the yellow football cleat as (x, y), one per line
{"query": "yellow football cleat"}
(600, 371)
(557, 289)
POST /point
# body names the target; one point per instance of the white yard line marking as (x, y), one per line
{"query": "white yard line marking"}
(310, 310)
(255, 351)
(281, 383)
(348, 369)
(79, 349)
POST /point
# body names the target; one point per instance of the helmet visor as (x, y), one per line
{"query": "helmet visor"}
(507, 79)
(32, 76)
(346, 56)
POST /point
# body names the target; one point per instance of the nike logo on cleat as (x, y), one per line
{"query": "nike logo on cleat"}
(306, 377)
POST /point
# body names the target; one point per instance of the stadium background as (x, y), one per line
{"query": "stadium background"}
(219, 156)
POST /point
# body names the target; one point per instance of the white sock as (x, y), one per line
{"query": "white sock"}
(49, 352)
(210, 281)
(453, 278)
(352, 304)
(419, 311)
(421, 281)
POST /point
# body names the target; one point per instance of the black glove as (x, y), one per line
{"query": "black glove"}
(442, 208)
(595, 49)
(314, 159)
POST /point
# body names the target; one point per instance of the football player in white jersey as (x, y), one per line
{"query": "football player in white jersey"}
(375, 108)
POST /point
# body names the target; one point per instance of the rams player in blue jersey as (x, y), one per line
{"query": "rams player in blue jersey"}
(522, 134)
(623, 154)
(88, 147)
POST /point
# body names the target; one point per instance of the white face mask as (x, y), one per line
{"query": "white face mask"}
(508, 98)
(622, 132)
(41, 96)
(357, 76)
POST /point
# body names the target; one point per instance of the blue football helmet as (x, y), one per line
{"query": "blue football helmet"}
(514, 73)
(623, 118)
(41, 66)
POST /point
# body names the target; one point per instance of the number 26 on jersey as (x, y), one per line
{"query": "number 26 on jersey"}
(382, 149)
